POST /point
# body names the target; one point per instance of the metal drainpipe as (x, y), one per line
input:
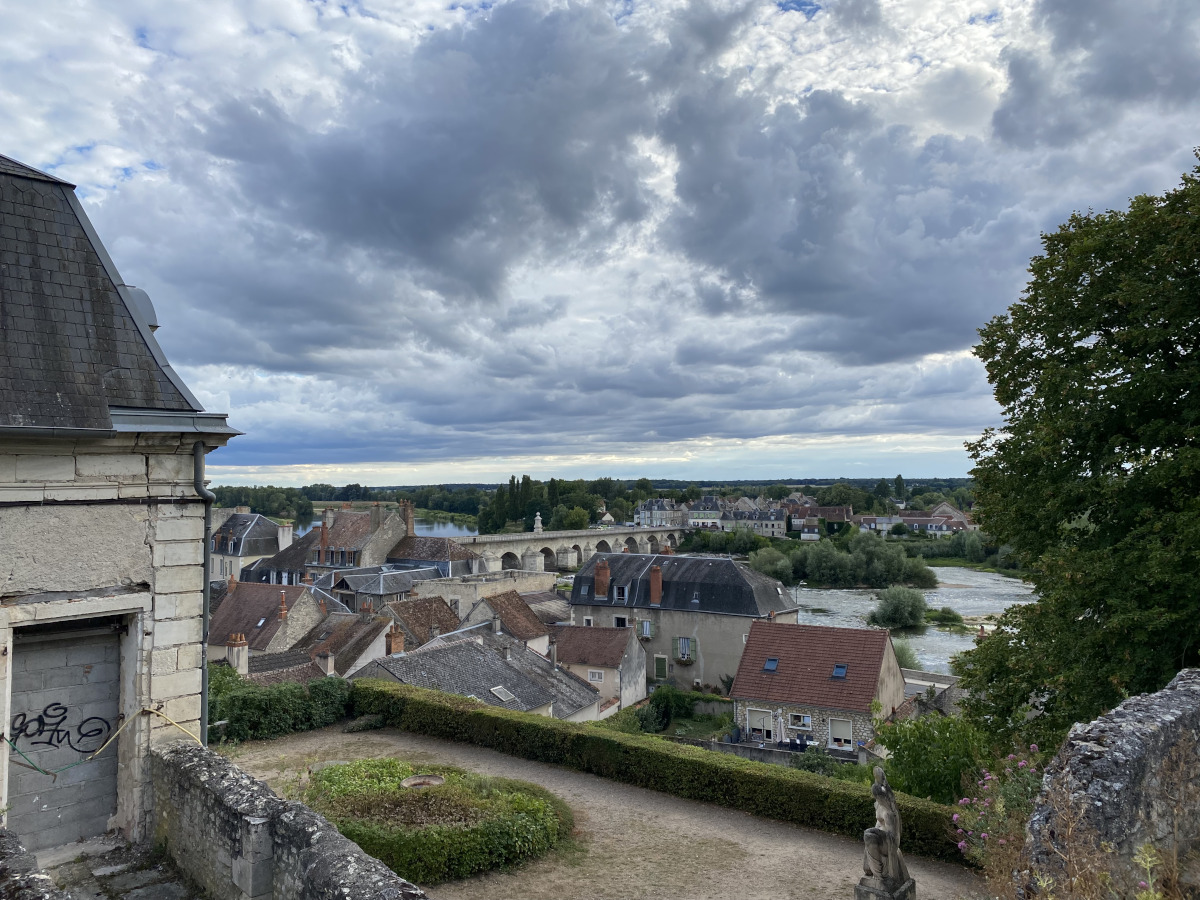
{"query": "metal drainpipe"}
(208, 497)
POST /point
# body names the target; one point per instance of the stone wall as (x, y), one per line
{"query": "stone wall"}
(238, 841)
(20, 877)
(104, 530)
(1126, 779)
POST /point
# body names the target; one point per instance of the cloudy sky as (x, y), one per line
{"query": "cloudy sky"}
(407, 242)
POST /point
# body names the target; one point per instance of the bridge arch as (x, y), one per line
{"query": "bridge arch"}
(577, 555)
(603, 546)
(549, 560)
(510, 560)
(631, 544)
(655, 546)
(671, 540)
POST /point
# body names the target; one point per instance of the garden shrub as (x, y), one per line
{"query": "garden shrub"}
(931, 755)
(761, 789)
(470, 824)
(263, 712)
(943, 616)
(899, 607)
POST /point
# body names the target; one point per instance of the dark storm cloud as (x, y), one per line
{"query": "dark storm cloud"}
(1105, 56)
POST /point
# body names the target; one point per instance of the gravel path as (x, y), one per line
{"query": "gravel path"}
(630, 842)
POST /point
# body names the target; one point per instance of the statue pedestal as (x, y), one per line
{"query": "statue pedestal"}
(871, 888)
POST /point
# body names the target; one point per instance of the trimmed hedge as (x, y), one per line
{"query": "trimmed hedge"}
(775, 792)
(263, 712)
(517, 821)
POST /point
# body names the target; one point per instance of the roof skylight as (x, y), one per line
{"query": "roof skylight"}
(503, 693)
(771, 665)
(839, 670)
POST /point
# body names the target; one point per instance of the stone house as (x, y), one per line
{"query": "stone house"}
(815, 683)
(464, 591)
(339, 645)
(659, 512)
(769, 523)
(240, 537)
(692, 613)
(516, 618)
(102, 520)
(611, 660)
(449, 557)
(270, 618)
(419, 620)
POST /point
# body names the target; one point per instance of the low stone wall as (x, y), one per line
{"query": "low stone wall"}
(1125, 780)
(20, 877)
(238, 841)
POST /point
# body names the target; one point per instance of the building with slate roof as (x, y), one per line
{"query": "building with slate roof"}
(692, 613)
(421, 619)
(516, 618)
(815, 683)
(612, 660)
(448, 556)
(270, 618)
(102, 520)
(240, 537)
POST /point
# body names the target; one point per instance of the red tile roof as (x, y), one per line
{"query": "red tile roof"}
(418, 615)
(806, 656)
(430, 549)
(515, 615)
(584, 646)
(245, 605)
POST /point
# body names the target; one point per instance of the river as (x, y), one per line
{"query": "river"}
(965, 591)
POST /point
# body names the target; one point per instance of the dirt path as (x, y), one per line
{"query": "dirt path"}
(631, 842)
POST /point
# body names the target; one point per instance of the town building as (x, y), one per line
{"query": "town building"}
(240, 538)
(103, 510)
(692, 612)
(612, 660)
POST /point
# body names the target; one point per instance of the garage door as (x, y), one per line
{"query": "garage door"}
(65, 702)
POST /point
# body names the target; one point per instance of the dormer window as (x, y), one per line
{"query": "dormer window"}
(839, 670)
(621, 594)
(771, 665)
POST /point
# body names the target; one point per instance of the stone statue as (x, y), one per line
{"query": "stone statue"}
(886, 876)
(537, 523)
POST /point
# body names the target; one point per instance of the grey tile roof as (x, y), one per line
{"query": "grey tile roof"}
(71, 346)
(689, 583)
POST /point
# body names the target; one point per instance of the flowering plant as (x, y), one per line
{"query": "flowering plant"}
(1002, 802)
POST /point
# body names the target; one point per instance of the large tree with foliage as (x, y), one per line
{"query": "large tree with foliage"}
(1094, 480)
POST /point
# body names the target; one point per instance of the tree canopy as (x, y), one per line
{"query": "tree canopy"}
(1094, 479)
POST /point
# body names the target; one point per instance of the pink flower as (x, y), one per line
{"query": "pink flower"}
(1012, 756)
(954, 818)
(1143, 885)
(984, 835)
(1033, 748)
(1003, 842)
(960, 831)
(962, 846)
(1021, 764)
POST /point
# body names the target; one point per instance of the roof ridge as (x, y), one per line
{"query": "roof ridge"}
(21, 170)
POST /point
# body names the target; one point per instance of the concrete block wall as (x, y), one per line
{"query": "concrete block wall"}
(238, 841)
(103, 528)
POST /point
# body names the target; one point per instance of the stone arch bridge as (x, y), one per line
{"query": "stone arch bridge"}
(551, 551)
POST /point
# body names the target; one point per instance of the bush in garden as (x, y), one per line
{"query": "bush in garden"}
(263, 712)
(995, 814)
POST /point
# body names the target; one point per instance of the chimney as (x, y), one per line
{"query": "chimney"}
(232, 581)
(376, 517)
(434, 630)
(245, 510)
(495, 624)
(283, 605)
(601, 573)
(284, 535)
(507, 653)
(553, 652)
(321, 605)
(346, 504)
(327, 518)
(308, 578)
(324, 538)
(406, 513)
(394, 641)
(656, 585)
(237, 654)
(325, 661)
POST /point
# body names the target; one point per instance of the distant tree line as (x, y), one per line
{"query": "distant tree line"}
(277, 502)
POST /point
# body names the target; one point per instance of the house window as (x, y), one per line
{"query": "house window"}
(587, 621)
(621, 594)
(800, 722)
(745, 637)
(760, 724)
(343, 555)
(839, 670)
(841, 733)
(647, 628)
(771, 665)
(685, 648)
(695, 596)
(620, 622)
(660, 667)
(583, 590)
(596, 676)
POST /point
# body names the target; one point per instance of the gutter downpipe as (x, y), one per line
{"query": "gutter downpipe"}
(208, 497)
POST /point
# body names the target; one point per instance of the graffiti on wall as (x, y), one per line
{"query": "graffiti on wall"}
(49, 730)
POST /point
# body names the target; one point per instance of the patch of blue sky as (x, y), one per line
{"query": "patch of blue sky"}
(622, 10)
(472, 8)
(152, 165)
(985, 19)
(141, 37)
(809, 7)
(921, 61)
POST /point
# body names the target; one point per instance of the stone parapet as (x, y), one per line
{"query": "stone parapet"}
(237, 840)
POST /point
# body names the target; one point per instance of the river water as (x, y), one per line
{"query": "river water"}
(965, 591)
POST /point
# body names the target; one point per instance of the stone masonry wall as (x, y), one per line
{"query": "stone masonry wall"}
(237, 840)
(20, 877)
(1126, 779)
(113, 527)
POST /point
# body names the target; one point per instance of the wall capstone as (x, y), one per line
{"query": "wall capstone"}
(1129, 779)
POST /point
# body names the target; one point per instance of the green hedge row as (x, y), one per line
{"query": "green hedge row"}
(775, 792)
(263, 712)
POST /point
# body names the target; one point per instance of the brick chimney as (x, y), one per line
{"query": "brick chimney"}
(325, 662)
(406, 513)
(376, 517)
(237, 653)
(346, 504)
(283, 605)
(232, 582)
(394, 641)
(324, 539)
(602, 575)
(656, 585)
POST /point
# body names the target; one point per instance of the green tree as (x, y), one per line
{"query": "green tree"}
(899, 607)
(575, 519)
(1094, 478)
(901, 490)
(931, 755)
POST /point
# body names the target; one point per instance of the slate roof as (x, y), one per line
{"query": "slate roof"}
(806, 656)
(550, 607)
(245, 605)
(293, 557)
(590, 646)
(691, 583)
(249, 534)
(417, 616)
(515, 616)
(469, 669)
(433, 549)
(75, 342)
(346, 635)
